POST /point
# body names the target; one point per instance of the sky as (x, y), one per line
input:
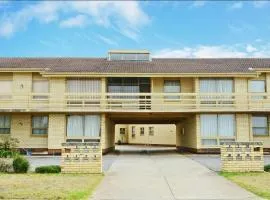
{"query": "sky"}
(185, 29)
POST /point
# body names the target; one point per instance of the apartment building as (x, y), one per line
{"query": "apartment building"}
(47, 101)
(146, 134)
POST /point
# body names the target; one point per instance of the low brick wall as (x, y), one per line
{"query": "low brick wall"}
(242, 157)
(81, 157)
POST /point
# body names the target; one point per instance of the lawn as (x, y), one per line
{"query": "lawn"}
(258, 183)
(47, 186)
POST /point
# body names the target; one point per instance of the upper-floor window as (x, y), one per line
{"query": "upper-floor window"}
(83, 85)
(172, 86)
(5, 124)
(42, 87)
(40, 125)
(216, 85)
(259, 125)
(257, 86)
(217, 128)
(6, 88)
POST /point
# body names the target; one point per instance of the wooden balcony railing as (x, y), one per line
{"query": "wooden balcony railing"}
(136, 102)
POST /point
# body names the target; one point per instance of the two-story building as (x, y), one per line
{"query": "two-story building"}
(47, 101)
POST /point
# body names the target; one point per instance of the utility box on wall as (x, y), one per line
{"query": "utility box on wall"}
(242, 157)
(81, 157)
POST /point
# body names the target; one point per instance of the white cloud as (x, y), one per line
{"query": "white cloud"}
(236, 5)
(260, 4)
(77, 21)
(107, 40)
(221, 51)
(198, 3)
(102, 13)
(250, 48)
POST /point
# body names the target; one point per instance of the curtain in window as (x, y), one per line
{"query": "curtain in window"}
(226, 125)
(257, 86)
(6, 89)
(4, 124)
(207, 86)
(259, 125)
(209, 125)
(39, 124)
(75, 126)
(224, 86)
(92, 125)
(171, 86)
(83, 85)
(40, 86)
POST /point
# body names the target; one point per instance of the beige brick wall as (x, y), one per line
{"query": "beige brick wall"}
(189, 137)
(57, 130)
(164, 134)
(242, 127)
(21, 129)
(107, 133)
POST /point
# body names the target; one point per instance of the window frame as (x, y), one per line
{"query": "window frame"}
(122, 131)
(9, 128)
(218, 137)
(254, 127)
(249, 88)
(151, 130)
(142, 131)
(38, 97)
(47, 128)
(173, 98)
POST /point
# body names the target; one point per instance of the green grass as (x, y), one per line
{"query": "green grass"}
(48, 186)
(256, 182)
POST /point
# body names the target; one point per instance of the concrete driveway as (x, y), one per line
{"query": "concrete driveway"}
(167, 176)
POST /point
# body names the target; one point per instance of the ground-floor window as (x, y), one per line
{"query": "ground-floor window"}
(122, 131)
(83, 126)
(217, 128)
(142, 131)
(5, 124)
(151, 130)
(39, 125)
(260, 125)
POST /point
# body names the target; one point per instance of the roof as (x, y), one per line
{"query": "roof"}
(157, 65)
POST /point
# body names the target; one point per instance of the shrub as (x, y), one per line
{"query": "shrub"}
(8, 143)
(267, 168)
(48, 169)
(20, 165)
(8, 153)
(6, 165)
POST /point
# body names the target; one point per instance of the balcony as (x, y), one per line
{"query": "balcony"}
(136, 102)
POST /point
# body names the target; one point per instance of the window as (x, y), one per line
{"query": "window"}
(257, 86)
(151, 130)
(216, 85)
(122, 131)
(4, 124)
(83, 126)
(142, 131)
(133, 131)
(217, 128)
(172, 86)
(40, 86)
(39, 125)
(259, 125)
(6, 89)
(83, 85)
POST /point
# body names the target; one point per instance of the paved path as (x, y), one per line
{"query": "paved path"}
(164, 177)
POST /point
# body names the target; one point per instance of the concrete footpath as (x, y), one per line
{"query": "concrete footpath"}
(164, 177)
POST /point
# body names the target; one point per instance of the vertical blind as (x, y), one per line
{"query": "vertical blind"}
(216, 85)
(83, 85)
(83, 125)
(215, 126)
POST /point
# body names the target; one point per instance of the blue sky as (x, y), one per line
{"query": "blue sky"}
(166, 28)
